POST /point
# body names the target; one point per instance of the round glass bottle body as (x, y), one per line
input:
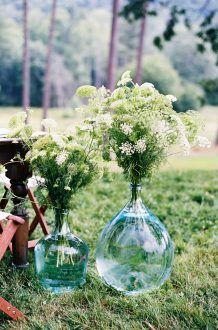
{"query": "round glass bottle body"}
(135, 252)
(61, 258)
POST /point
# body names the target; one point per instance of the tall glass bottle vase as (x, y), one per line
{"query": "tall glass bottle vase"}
(61, 257)
(135, 252)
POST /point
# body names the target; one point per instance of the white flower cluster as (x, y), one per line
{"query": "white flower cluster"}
(104, 119)
(161, 128)
(126, 128)
(49, 124)
(140, 146)
(60, 159)
(171, 98)
(183, 141)
(147, 85)
(129, 149)
(125, 79)
(203, 142)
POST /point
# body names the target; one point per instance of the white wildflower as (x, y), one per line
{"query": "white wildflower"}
(161, 128)
(71, 130)
(127, 149)
(4, 179)
(17, 120)
(2, 169)
(87, 127)
(58, 140)
(203, 142)
(104, 119)
(183, 141)
(147, 85)
(185, 145)
(126, 128)
(67, 188)
(61, 158)
(116, 104)
(140, 146)
(125, 79)
(49, 124)
(171, 98)
(35, 181)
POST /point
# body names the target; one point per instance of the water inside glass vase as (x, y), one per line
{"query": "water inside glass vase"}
(61, 257)
(135, 252)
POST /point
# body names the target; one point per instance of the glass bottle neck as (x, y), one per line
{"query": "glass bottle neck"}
(135, 192)
(61, 221)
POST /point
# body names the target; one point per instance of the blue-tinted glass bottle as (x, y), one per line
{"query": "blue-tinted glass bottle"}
(61, 257)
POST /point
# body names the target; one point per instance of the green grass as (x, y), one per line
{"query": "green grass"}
(187, 203)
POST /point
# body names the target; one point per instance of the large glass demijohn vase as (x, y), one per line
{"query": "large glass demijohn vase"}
(61, 257)
(135, 252)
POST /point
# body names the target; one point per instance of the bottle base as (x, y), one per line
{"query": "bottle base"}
(58, 287)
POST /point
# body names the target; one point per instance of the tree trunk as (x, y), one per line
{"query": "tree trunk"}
(216, 140)
(47, 83)
(112, 61)
(26, 60)
(141, 47)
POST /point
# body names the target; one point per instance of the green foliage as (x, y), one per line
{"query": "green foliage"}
(186, 203)
(158, 70)
(210, 87)
(192, 97)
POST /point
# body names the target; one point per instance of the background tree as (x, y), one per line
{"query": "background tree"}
(193, 12)
(141, 45)
(112, 61)
(47, 83)
(26, 59)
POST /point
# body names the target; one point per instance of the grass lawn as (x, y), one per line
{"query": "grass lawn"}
(187, 203)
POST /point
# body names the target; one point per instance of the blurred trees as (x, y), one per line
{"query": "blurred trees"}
(80, 51)
(47, 82)
(112, 58)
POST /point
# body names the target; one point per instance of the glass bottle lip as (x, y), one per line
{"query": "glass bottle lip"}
(61, 211)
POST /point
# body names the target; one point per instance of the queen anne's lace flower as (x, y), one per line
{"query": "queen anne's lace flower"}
(49, 124)
(125, 79)
(17, 120)
(127, 149)
(203, 142)
(161, 128)
(58, 140)
(140, 146)
(126, 128)
(104, 119)
(171, 98)
(61, 158)
(147, 85)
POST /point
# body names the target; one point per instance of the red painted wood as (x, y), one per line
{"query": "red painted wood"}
(5, 238)
(10, 310)
(32, 244)
(39, 218)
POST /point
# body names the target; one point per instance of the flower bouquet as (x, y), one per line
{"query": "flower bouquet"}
(66, 162)
(141, 128)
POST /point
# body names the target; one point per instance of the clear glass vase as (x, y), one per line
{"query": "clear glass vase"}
(134, 253)
(61, 257)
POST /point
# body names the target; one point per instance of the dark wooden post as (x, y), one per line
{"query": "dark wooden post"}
(18, 173)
